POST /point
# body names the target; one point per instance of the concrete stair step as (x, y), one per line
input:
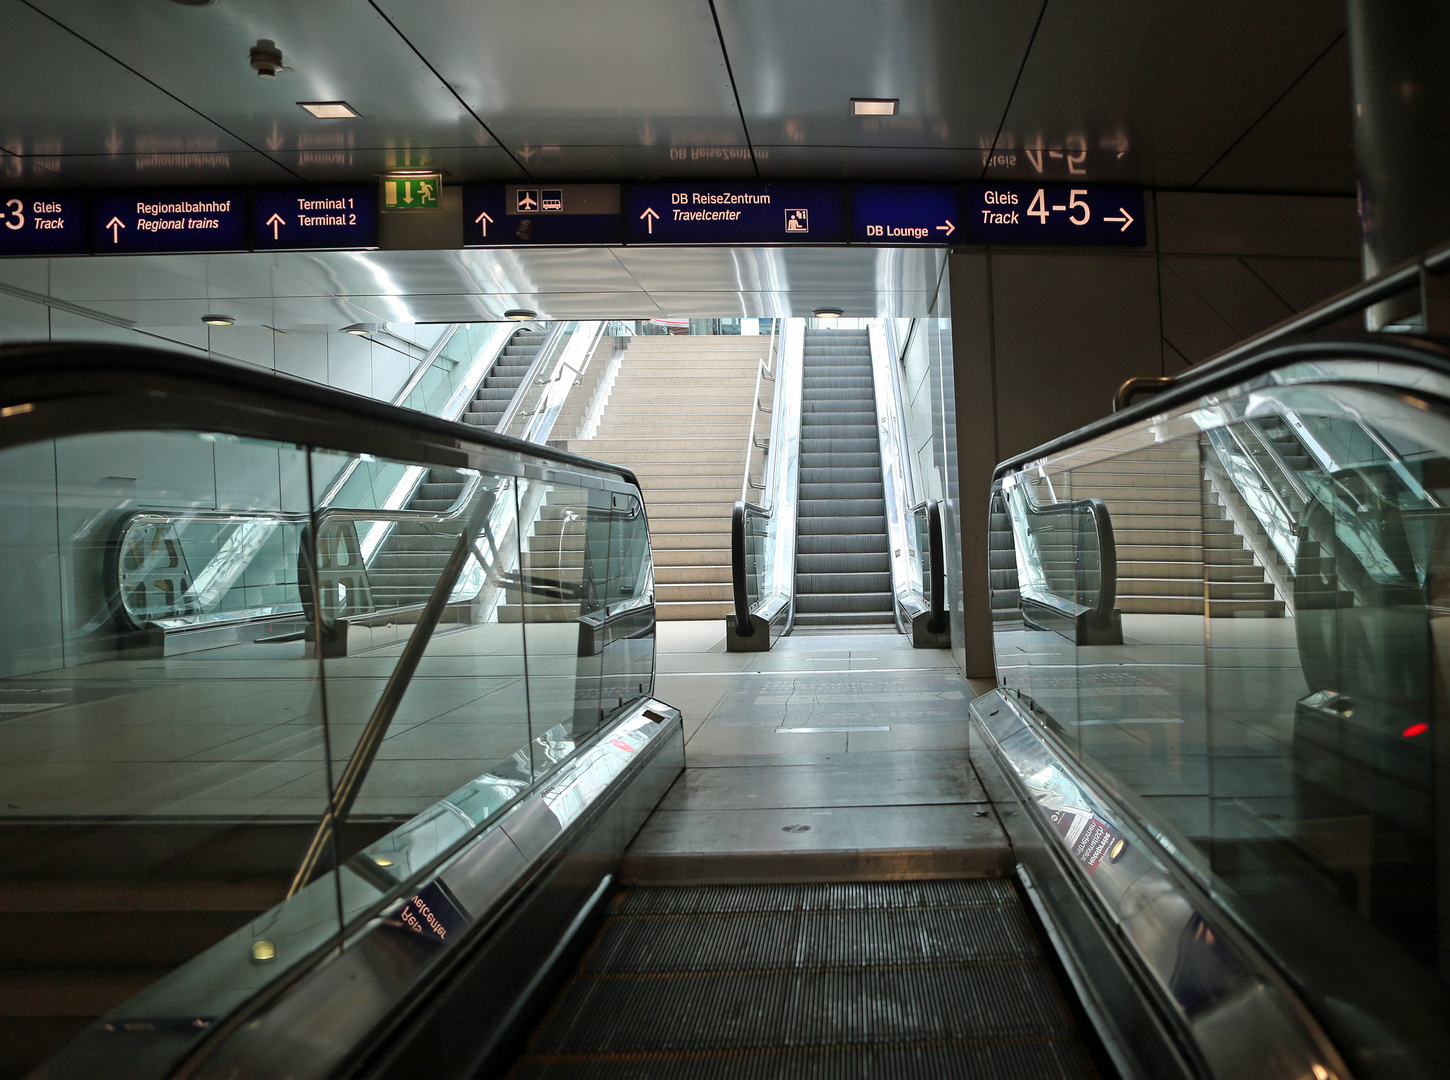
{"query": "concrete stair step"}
(693, 574)
(689, 557)
(694, 593)
(691, 609)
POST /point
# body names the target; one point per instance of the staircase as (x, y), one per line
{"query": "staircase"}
(843, 561)
(679, 416)
(1178, 553)
(407, 566)
(508, 371)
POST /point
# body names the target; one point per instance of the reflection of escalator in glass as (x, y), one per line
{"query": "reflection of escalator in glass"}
(409, 561)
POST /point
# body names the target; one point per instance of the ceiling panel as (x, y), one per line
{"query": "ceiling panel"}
(30, 172)
(726, 159)
(856, 269)
(1304, 143)
(169, 167)
(583, 305)
(562, 73)
(477, 271)
(1139, 75)
(1098, 166)
(869, 162)
(952, 63)
(341, 50)
(344, 164)
(62, 96)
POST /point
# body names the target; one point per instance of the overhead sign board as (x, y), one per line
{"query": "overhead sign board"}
(735, 213)
(169, 221)
(507, 215)
(413, 191)
(1013, 213)
(33, 224)
(905, 214)
(293, 218)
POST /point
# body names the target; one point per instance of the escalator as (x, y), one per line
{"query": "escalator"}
(876, 978)
(1222, 839)
(502, 383)
(843, 560)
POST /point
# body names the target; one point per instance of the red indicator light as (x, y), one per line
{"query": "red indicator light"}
(1415, 729)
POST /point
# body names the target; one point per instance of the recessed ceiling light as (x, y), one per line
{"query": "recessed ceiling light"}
(218, 320)
(865, 106)
(330, 110)
(522, 314)
(360, 329)
(828, 313)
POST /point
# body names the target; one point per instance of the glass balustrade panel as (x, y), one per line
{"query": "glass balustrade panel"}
(1272, 709)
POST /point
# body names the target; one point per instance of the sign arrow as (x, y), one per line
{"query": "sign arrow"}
(948, 228)
(649, 217)
(115, 226)
(1126, 219)
(484, 220)
(276, 221)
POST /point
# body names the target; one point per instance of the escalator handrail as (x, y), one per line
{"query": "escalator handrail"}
(38, 380)
(936, 580)
(1397, 279)
(1097, 509)
(1415, 350)
(778, 500)
(739, 587)
(898, 482)
(550, 343)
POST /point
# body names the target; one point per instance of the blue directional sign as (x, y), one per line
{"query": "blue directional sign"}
(905, 214)
(1015, 213)
(152, 221)
(511, 215)
(734, 213)
(33, 224)
(307, 218)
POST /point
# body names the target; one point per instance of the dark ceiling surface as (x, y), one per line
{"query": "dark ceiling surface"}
(1217, 96)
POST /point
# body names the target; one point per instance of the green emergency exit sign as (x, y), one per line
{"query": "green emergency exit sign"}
(414, 191)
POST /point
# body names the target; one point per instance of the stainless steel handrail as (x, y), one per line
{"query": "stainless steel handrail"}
(426, 363)
(540, 359)
(778, 503)
(896, 474)
(582, 343)
(349, 784)
(764, 370)
(1258, 469)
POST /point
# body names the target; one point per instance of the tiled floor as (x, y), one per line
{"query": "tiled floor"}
(831, 756)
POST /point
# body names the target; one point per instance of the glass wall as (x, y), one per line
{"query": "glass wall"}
(1274, 711)
(452, 633)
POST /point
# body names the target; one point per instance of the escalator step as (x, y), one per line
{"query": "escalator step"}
(931, 978)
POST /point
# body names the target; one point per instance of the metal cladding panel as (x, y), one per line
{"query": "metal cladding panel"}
(951, 64)
(97, 106)
(349, 164)
(555, 72)
(1120, 76)
(341, 50)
